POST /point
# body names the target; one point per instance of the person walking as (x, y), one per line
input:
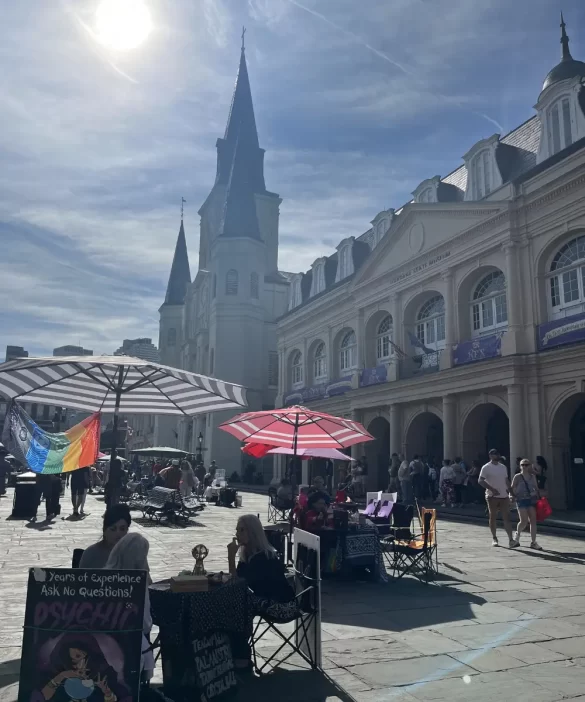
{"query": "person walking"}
(493, 477)
(473, 490)
(525, 490)
(188, 480)
(405, 480)
(4, 471)
(541, 470)
(459, 479)
(79, 488)
(416, 475)
(433, 480)
(393, 473)
(447, 483)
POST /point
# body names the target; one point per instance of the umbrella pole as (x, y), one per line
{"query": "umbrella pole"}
(114, 453)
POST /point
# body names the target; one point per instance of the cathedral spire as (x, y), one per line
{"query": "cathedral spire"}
(180, 276)
(565, 53)
(241, 121)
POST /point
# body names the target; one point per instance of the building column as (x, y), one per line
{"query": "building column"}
(450, 317)
(516, 409)
(395, 433)
(514, 288)
(397, 326)
(356, 449)
(449, 427)
(360, 333)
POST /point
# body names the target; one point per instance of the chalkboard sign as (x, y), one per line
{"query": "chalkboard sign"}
(214, 667)
(82, 635)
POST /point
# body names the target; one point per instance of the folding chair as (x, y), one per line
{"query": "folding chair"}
(399, 530)
(304, 639)
(419, 556)
(276, 513)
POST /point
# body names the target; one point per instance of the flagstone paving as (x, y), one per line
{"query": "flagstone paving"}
(500, 624)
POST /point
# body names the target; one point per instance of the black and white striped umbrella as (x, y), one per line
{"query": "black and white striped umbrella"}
(116, 384)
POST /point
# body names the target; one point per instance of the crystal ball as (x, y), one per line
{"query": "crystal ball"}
(79, 689)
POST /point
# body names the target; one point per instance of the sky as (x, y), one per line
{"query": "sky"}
(356, 104)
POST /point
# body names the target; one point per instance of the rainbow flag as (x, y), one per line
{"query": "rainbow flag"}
(51, 454)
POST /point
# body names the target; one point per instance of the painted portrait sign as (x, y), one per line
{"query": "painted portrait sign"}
(82, 635)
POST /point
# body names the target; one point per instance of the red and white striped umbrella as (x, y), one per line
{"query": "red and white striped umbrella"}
(296, 428)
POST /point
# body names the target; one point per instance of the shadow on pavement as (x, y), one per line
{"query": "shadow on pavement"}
(557, 556)
(9, 672)
(166, 524)
(396, 606)
(292, 685)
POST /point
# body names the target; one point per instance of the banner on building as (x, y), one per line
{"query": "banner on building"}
(569, 330)
(373, 376)
(478, 349)
(319, 392)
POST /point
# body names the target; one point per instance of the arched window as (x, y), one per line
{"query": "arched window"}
(430, 328)
(560, 133)
(567, 284)
(320, 362)
(254, 286)
(231, 282)
(348, 352)
(344, 254)
(297, 369)
(489, 308)
(426, 195)
(295, 293)
(172, 337)
(384, 347)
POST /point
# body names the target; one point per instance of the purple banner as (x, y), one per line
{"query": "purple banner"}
(318, 392)
(477, 349)
(373, 376)
(562, 331)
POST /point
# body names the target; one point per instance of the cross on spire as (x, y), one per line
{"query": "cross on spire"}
(183, 201)
(243, 38)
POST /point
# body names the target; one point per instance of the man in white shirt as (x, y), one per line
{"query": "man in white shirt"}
(494, 478)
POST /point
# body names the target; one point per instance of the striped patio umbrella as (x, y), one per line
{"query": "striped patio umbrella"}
(114, 384)
(296, 428)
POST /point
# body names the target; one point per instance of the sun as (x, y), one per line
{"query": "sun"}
(122, 24)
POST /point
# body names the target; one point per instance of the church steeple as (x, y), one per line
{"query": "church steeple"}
(565, 53)
(241, 136)
(180, 276)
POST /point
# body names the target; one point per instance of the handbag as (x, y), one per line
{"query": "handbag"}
(543, 509)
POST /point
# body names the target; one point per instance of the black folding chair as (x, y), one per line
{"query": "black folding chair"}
(399, 530)
(76, 559)
(305, 637)
(419, 556)
(276, 512)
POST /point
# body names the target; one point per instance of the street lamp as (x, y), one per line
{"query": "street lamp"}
(200, 448)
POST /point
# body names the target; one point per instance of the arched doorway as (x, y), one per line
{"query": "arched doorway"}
(377, 454)
(425, 437)
(486, 427)
(566, 470)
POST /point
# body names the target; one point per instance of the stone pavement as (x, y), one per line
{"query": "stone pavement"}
(499, 624)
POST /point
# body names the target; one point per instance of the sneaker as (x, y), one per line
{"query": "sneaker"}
(495, 542)
(535, 546)
(514, 543)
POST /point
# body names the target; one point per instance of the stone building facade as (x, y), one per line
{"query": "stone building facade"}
(456, 323)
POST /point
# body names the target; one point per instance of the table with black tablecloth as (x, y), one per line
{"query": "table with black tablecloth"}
(183, 617)
(355, 548)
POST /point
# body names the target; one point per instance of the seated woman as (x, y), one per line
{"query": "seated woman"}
(316, 516)
(260, 567)
(131, 553)
(116, 523)
(284, 495)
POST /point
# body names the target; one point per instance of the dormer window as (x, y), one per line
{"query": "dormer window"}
(483, 174)
(380, 225)
(427, 190)
(318, 282)
(344, 259)
(560, 133)
(295, 294)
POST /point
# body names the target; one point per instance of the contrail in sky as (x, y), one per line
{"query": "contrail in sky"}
(387, 58)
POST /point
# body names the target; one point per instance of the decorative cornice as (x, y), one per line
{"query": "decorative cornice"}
(553, 194)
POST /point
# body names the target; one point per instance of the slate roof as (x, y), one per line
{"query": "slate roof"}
(180, 276)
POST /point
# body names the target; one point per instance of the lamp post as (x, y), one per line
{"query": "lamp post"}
(200, 448)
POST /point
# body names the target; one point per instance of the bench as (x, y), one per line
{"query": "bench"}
(160, 502)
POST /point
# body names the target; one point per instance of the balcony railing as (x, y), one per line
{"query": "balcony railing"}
(420, 365)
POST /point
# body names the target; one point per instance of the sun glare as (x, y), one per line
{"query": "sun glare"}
(122, 24)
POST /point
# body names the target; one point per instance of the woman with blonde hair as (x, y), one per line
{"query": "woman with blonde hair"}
(131, 553)
(259, 564)
(524, 490)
